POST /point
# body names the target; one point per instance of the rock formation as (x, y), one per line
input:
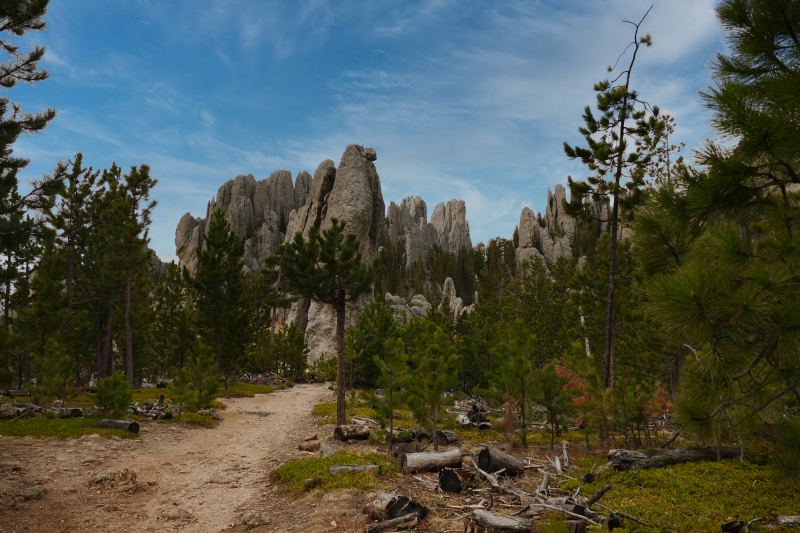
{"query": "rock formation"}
(257, 211)
(448, 229)
(417, 306)
(351, 193)
(456, 304)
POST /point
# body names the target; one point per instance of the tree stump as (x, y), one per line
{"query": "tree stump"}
(124, 425)
(491, 461)
(427, 461)
(449, 480)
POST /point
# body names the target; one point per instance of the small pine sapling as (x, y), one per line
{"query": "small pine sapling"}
(55, 372)
(393, 367)
(548, 392)
(206, 380)
(113, 396)
(435, 372)
(182, 391)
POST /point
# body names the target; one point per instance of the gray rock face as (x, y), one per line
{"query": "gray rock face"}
(452, 228)
(404, 311)
(456, 304)
(552, 234)
(448, 228)
(351, 193)
(256, 210)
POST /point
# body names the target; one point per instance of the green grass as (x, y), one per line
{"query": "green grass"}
(696, 497)
(41, 426)
(327, 411)
(245, 390)
(293, 474)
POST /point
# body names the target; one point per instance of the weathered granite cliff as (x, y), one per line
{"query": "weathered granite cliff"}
(448, 229)
(256, 210)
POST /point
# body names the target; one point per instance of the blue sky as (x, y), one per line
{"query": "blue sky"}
(461, 99)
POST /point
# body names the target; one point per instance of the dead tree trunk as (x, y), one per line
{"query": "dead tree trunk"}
(124, 425)
(354, 469)
(425, 461)
(491, 461)
(351, 431)
(449, 480)
(486, 522)
(636, 460)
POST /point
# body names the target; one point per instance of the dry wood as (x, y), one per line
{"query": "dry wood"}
(427, 461)
(491, 460)
(564, 455)
(403, 506)
(351, 431)
(124, 425)
(402, 522)
(597, 495)
(485, 522)
(354, 469)
(636, 460)
(544, 485)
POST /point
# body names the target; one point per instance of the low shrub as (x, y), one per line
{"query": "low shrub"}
(294, 474)
(44, 426)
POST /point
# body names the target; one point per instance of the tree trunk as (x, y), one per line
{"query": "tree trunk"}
(425, 461)
(98, 344)
(354, 469)
(635, 460)
(341, 416)
(486, 522)
(107, 352)
(128, 330)
(124, 425)
(491, 461)
(351, 431)
(435, 436)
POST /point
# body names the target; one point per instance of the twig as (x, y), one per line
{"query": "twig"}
(670, 441)
(597, 495)
(625, 515)
(751, 522)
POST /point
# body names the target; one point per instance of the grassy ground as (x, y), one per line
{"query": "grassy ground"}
(245, 390)
(295, 473)
(42, 426)
(696, 496)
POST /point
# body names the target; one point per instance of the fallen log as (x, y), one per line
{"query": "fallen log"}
(446, 436)
(351, 431)
(449, 480)
(403, 506)
(69, 412)
(402, 522)
(124, 425)
(427, 461)
(637, 460)
(354, 469)
(491, 461)
(485, 522)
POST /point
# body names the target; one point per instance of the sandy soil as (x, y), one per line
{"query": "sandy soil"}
(187, 479)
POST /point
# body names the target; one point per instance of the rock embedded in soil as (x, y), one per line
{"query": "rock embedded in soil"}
(33, 493)
(326, 451)
(254, 520)
(312, 446)
(177, 513)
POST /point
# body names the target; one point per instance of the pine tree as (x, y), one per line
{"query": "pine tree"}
(218, 284)
(733, 292)
(204, 378)
(287, 354)
(513, 377)
(608, 154)
(548, 392)
(55, 372)
(393, 367)
(434, 373)
(328, 268)
(113, 396)
(182, 391)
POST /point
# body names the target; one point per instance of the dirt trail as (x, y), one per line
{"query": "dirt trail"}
(209, 479)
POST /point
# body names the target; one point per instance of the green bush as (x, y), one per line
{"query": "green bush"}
(323, 369)
(113, 396)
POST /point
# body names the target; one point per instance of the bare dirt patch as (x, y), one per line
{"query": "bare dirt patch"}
(184, 478)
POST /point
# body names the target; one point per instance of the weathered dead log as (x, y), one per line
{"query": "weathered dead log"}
(783, 521)
(124, 425)
(597, 495)
(69, 412)
(446, 436)
(637, 460)
(544, 484)
(396, 523)
(449, 480)
(491, 461)
(351, 431)
(354, 469)
(485, 522)
(427, 461)
(364, 421)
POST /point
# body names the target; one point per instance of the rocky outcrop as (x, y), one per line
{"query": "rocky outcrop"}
(352, 193)
(552, 234)
(448, 229)
(456, 304)
(404, 311)
(257, 211)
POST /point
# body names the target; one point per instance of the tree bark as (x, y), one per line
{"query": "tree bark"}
(491, 461)
(341, 417)
(107, 352)
(425, 461)
(486, 522)
(351, 431)
(128, 330)
(354, 469)
(636, 460)
(125, 425)
(402, 522)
